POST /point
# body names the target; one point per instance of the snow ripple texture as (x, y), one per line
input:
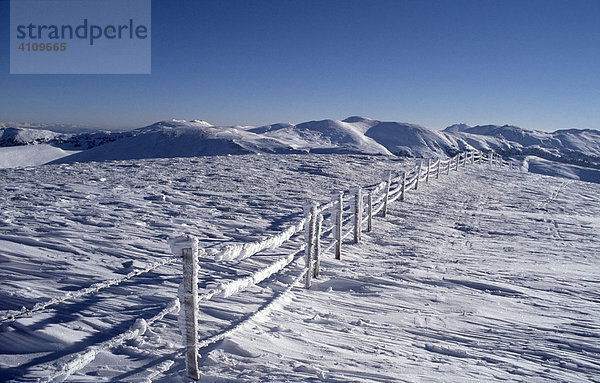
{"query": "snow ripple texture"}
(482, 275)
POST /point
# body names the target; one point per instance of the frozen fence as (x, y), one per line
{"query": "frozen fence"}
(325, 228)
(96, 287)
(321, 232)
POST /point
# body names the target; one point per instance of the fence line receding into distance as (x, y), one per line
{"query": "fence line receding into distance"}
(348, 210)
(322, 229)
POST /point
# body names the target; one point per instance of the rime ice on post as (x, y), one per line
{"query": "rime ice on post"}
(428, 170)
(358, 210)
(187, 247)
(403, 189)
(418, 175)
(310, 211)
(388, 180)
(318, 228)
(370, 212)
(336, 213)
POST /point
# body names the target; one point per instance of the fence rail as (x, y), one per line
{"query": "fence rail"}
(321, 231)
(345, 215)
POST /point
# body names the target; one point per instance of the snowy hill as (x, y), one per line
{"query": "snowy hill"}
(178, 138)
(30, 155)
(326, 136)
(412, 140)
(10, 136)
(58, 128)
(581, 147)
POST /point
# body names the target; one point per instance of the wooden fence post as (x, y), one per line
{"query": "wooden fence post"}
(437, 173)
(318, 229)
(338, 233)
(457, 161)
(448, 168)
(187, 248)
(428, 170)
(310, 211)
(358, 209)
(388, 181)
(490, 158)
(370, 212)
(403, 189)
(418, 175)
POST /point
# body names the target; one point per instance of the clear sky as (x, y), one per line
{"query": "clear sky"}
(531, 63)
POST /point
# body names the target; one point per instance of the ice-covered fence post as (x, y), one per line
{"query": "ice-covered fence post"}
(472, 158)
(501, 159)
(403, 188)
(310, 212)
(370, 212)
(358, 210)
(318, 228)
(428, 170)
(418, 175)
(448, 168)
(457, 161)
(388, 180)
(437, 172)
(336, 214)
(187, 248)
(490, 158)
(510, 165)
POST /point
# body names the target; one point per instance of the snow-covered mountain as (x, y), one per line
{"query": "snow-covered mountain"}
(327, 136)
(20, 136)
(576, 146)
(10, 136)
(56, 127)
(179, 138)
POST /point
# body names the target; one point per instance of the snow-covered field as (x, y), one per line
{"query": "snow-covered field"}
(30, 155)
(482, 275)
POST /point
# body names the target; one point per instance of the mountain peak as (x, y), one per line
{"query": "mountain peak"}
(356, 119)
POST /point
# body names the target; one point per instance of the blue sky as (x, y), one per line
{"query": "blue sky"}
(530, 63)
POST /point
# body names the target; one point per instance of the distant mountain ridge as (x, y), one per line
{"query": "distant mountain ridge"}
(354, 134)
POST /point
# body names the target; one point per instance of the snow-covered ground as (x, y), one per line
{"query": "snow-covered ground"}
(558, 169)
(30, 155)
(482, 275)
